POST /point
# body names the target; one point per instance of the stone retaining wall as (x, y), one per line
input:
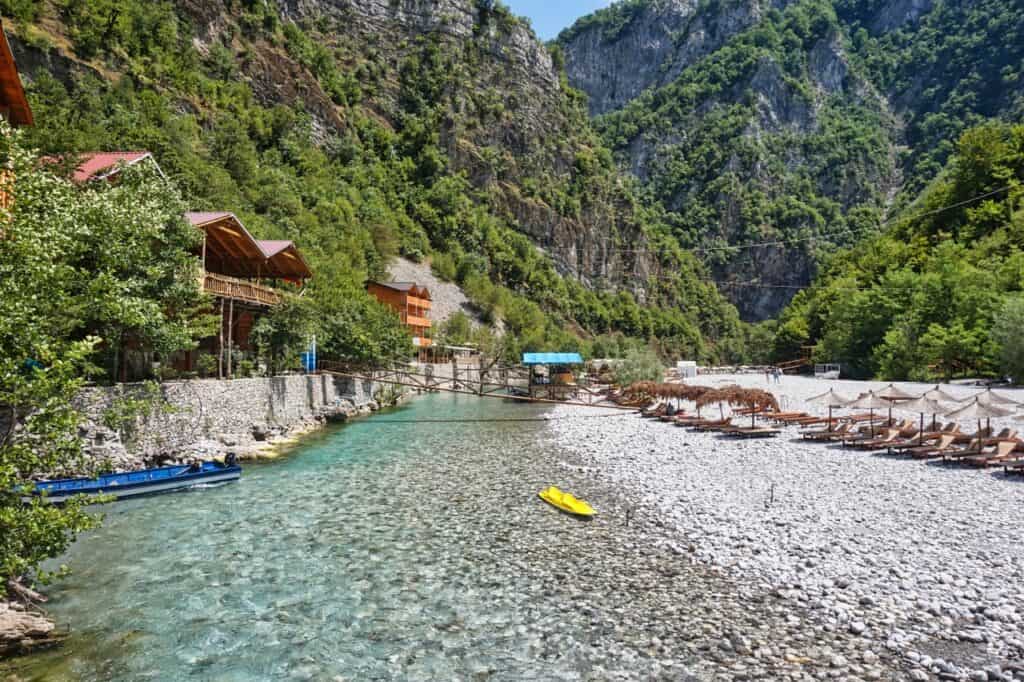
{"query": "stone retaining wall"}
(132, 425)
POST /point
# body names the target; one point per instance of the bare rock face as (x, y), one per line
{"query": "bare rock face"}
(650, 47)
(22, 630)
(509, 117)
(644, 48)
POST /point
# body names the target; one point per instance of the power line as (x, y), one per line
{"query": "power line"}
(884, 223)
(798, 240)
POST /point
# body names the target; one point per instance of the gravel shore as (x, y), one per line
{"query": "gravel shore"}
(884, 568)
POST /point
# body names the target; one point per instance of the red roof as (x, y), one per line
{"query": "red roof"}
(103, 164)
(272, 247)
(197, 218)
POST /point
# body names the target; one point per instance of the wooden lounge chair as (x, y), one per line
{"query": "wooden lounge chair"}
(712, 425)
(866, 434)
(751, 432)
(975, 448)
(788, 417)
(1001, 453)
(932, 450)
(971, 437)
(655, 412)
(894, 438)
(1016, 467)
(825, 434)
(1005, 434)
(927, 437)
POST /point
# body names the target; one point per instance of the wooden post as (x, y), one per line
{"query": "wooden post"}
(220, 343)
(231, 332)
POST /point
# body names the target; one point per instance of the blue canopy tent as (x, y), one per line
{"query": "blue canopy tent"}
(550, 374)
(552, 359)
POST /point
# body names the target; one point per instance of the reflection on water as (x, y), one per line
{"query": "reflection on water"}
(375, 551)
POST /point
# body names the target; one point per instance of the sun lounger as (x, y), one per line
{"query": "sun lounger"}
(825, 434)
(655, 412)
(933, 450)
(996, 455)
(712, 425)
(751, 432)
(977, 447)
(970, 437)
(1015, 467)
(894, 438)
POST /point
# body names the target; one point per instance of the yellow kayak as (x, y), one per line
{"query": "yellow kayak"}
(566, 502)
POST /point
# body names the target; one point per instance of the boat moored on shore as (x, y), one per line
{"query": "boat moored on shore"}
(137, 483)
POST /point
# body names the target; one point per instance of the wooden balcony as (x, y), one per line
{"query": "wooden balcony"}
(414, 321)
(240, 290)
(417, 302)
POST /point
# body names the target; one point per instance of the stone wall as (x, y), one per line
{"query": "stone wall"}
(132, 425)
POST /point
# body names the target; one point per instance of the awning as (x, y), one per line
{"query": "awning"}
(552, 359)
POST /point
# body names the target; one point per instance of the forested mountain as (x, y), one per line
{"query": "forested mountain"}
(363, 129)
(804, 123)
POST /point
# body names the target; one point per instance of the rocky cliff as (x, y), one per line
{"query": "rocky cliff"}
(791, 122)
(508, 122)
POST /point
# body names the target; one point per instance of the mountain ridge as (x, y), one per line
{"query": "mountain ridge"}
(730, 72)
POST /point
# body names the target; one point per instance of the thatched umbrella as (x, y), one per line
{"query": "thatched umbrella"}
(870, 401)
(938, 394)
(921, 406)
(979, 410)
(754, 398)
(833, 400)
(893, 392)
(990, 397)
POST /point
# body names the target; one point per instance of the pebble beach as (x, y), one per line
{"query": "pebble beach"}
(879, 567)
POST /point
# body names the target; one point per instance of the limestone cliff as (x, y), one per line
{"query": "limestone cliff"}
(795, 122)
(508, 116)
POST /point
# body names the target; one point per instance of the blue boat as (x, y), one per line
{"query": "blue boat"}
(138, 483)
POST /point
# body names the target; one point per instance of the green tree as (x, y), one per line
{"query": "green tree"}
(1006, 332)
(42, 366)
(641, 364)
(282, 335)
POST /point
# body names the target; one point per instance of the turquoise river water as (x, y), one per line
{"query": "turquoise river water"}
(373, 551)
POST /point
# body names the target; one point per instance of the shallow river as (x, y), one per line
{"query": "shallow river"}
(373, 551)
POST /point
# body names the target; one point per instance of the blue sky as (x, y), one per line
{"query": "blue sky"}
(548, 17)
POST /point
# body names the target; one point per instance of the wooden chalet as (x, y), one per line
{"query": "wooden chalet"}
(412, 303)
(14, 109)
(13, 103)
(245, 276)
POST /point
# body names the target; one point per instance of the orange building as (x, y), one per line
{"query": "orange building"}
(411, 302)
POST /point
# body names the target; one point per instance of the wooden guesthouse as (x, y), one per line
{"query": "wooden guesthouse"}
(14, 109)
(412, 303)
(13, 104)
(246, 277)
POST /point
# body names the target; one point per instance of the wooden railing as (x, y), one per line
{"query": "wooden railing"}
(418, 302)
(415, 321)
(239, 289)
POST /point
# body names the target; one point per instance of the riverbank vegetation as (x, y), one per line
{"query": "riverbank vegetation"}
(938, 294)
(379, 180)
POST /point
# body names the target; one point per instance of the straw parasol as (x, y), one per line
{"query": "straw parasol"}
(870, 401)
(990, 397)
(938, 394)
(979, 410)
(892, 392)
(833, 400)
(746, 397)
(922, 406)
